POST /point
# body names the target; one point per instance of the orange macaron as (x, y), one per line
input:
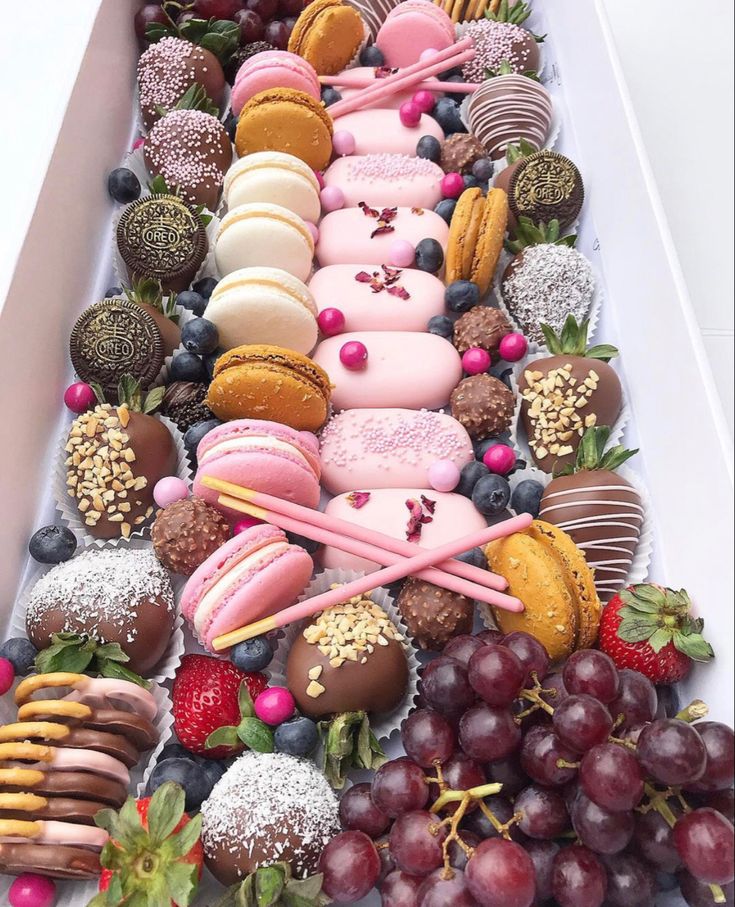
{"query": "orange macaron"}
(327, 34)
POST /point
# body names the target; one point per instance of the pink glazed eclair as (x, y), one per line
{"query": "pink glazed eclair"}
(411, 28)
(266, 456)
(385, 180)
(380, 131)
(253, 575)
(273, 69)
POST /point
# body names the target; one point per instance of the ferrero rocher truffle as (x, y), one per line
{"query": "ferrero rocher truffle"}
(460, 152)
(185, 533)
(483, 404)
(434, 615)
(484, 327)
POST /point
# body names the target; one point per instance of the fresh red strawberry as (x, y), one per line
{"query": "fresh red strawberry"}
(650, 629)
(154, 855)
(206, 698)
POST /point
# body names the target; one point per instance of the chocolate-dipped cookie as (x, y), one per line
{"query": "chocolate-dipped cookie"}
(434, 615)
(57, 861)
(483, 404)
(542, 186)
(484, 327)
(186, 533)
(566, 393)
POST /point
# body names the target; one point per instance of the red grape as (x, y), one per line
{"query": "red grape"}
(556, 691)
(630, 882)
(578, 878)
(457, 855)
(358, 812)
(592, 672)
(462, 648)
(699, 894)
(530, 651)
(436, 891)
(705, 841)
(266, 9)
(416, 842)
(387, 863)
(428, 737)
(251, 26)
(399, 787)
(719, 742)
(611, 776)
(185, 16)
(672, 752)
(509, 773)
(350, 865)
(599, 829)
(217, 9)
(491, 636)
(487, 734)
(540, 754)
(581, 721)
(446, 688)
(542, 855)
(543, 812)
(496, 674)
(151, 12)
(501, 874)
(654, 839)
(276, 33)
(400, 890)
(636, 701)
(479, 824)
(290, 7)
(461, 773)
(724, 802)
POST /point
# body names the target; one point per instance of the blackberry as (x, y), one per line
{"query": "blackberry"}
(183, 403)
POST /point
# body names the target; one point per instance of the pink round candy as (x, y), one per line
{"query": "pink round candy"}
(333, 198)
(313, 229)
(79, 397)
(170, 489)
(246, 522)
(139, 142)
(410, 114)
(343, 142)
(401, 253)
(424, 100)
(443, 475)
(428, 54)
(331, 322)
(353, 355)
(513, 347)
(31, 890)
(452, 185)
(275, 705)
(319, 179)
(476, 360)
(499, 459)
(7, 675)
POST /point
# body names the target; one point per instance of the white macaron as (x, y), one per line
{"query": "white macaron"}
(276, 178)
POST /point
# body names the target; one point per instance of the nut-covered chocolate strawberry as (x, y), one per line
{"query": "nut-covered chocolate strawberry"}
(564, 394)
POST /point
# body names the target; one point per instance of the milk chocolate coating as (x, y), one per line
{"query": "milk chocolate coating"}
(483, 327)
(434, 615)
(111, 744)
(170, 331)
(200, 68)
(230, 864)
(59, 809)
(186, 532)
(483, 404)
(56, 861)
(460, 151)
(140, 732)
(79, 785)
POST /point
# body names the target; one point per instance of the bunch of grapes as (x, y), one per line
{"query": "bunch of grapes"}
(520, 786)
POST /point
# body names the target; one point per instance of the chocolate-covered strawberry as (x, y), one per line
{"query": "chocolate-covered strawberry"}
(602, 512)
(564, 394)
(147, 293)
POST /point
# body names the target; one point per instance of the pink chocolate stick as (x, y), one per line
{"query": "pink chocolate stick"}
(346, 80)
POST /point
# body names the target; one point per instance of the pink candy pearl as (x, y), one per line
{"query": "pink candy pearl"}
(452, 185)
(331, 322)
(139, 142)
(275, 705)
(476, 360)
(428, 54)
(170, 489)
(513, 347)
(443, 475)
(500, 459)
(79, 397)
(424, 100)
(314, 230)
(247, 522)
(353, 355)
(319, 179)
(31, 890)
(7, 675)
(401, 253)
(333, 198)
(410, 114)
(343, 142)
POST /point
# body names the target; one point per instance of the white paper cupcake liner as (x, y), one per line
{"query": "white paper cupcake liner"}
(461, 29)
(383, 726)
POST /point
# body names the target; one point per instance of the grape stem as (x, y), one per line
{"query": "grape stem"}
(458, 796)
(693, 712)
(464, 798)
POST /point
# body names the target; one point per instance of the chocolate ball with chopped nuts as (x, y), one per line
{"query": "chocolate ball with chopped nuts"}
(460, 152)
(185, 533)
(483, 327)
(483, 404)
(434, 615)
(183, 403)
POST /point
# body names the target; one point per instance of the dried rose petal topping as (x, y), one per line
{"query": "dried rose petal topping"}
(382, 72)
(358, 499)
(388, 214)
(363, 277)
(400, 292)
(391, 274)
(382, 229)
(418, 211)
(428, 503)
(367, 210)
(415, 520)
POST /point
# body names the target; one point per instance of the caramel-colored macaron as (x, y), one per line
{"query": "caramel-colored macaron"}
(476, 237)
(283, 119)
(269, 382)
(327, 34)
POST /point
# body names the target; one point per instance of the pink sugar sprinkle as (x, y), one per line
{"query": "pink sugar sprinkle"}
(392, 167)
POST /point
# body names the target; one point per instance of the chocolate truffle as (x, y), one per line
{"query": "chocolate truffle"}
(484, 327)
(186, 532)
(171, 66)
(483, 404)
(434, 615)
(460, 151)
(112, 595)
(191, 150)
(543, 186)
(161, 237)
(183, 403)
(268, 808)
(497, 43)
(112, 338)
(350, 658)
(114, 458)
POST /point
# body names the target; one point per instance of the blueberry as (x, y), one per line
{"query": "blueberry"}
(461, 296)
(455, 78)
(469, 477)
(526, 497)
(309, 545)
(503, 373)
(195, 434)
(491, 495)
(471, 182)
(176, 751)
(441, 325)
(230, 125)
(483, 169)
(123, 185)
(450, 73)
(213, 771)
(200, 336)
(330, 96)
(193, 301)
(210, 361)
(483, 446)
(475, 557)
(113, 291)
(668, 701)
(372, 56)
(430, 148)
(429, 256)
(518, 466)
(445, 208)
(297, 737)
(187, 367)
(188, 774)
(446, 113)
(21, 653)
(52, 544)
(204, 286)
(252, 655)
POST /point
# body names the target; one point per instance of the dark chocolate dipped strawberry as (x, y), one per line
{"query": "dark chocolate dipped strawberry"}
(147, 293)
(564, 394)
(602, 512)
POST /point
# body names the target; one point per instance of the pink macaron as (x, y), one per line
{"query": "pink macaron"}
(266, 456)
(273, 69)
(253, 575)
(411, 28)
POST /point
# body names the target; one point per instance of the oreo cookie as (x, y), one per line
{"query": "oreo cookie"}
(546, 186)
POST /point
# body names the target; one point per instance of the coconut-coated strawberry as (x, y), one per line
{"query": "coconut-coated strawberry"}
(649, 629)
(205, 698)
